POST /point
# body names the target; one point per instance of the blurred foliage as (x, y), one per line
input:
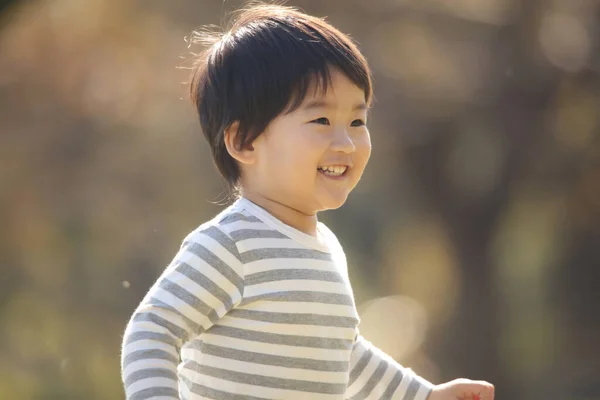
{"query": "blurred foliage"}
(479, 214)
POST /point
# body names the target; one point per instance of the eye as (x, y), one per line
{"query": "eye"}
(358, 122)
(322, 121)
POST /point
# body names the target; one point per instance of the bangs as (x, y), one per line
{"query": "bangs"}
(314, 83)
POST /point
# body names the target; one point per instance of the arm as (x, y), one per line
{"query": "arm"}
(376, 376)
(203, 282)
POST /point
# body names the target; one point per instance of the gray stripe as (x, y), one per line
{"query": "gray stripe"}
(411, 391)
(214, 261)
(271, 382)
(360, 366)
(191, 324)
(150, 354)
(296, 318)
(159, 337)
(243, 234)
(222, 239)
(215, 394)
(269, 359)
(274, 275)
(389, 392)
(302, 296)
(189, 299)
(266, 254)
(154, 392)
(180, 333)
(373, 380)
(150, 373)
(234, 217)
(206, 283)
(275, 338)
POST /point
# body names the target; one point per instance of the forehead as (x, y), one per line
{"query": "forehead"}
(339, 92)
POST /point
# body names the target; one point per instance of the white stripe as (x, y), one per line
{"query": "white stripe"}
(182, 386)
(239, 225)
(187, 353)
(276, 349)
(268, 243)
(163, 398)
(288, 329)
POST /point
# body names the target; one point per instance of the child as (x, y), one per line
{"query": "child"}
(257, 301)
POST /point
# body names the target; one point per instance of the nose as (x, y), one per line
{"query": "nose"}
(342, 142)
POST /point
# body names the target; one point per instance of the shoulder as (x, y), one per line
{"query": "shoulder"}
(214, 234)
(328, 234)
(227, 228)
(331, 239)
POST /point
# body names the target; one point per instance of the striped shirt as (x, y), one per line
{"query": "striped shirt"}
(251, 308)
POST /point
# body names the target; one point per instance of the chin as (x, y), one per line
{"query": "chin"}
(332, 203)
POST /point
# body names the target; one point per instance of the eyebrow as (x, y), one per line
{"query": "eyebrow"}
(319, 104)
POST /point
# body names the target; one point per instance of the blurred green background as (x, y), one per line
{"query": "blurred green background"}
(473, 240)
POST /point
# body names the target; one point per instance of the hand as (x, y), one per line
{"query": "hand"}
(463, 389)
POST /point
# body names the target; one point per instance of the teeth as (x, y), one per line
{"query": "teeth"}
(333, 169)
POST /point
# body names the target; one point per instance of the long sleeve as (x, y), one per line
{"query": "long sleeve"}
(376, 376)
(204, 281)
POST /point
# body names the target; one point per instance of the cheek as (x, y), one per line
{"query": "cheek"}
(297, 157)
(363, 149)
(306, 149)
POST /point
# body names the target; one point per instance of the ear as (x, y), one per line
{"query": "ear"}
(245, 155)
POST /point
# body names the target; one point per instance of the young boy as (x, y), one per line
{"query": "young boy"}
(257, 302)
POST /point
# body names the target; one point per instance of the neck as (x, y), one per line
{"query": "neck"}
(289, 215)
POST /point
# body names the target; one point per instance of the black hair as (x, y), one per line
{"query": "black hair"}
(263, 66)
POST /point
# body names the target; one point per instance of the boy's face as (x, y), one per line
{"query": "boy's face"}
(312, 158)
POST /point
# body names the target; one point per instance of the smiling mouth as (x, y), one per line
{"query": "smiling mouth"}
(333, 171)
